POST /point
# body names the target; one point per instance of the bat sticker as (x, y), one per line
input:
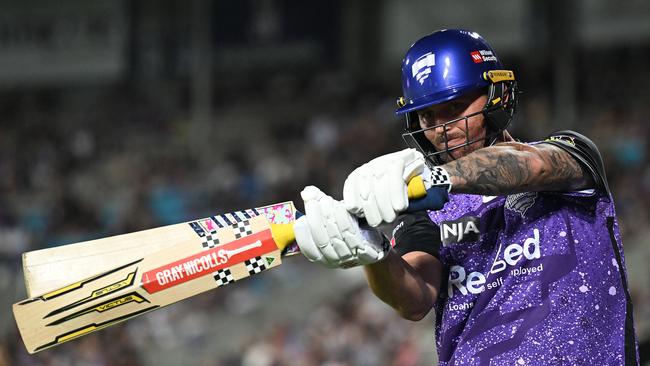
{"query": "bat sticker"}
(208, 262)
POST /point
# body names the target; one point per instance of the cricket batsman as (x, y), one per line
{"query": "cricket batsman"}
(521, 258)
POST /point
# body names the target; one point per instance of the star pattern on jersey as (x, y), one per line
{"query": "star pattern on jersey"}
(521, 202)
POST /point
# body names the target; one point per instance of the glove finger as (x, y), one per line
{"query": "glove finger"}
(383, 195)
(371, 211)
(344, 220)
(353, 241)
(311, 195)
(397, 187)
(330, 254)
(350, 194)
(403, 154)
(305, 241)
(321, 217)
(341, 250)
(326, 205)
(368, 254)
(364, 195)
(363, 177)
(347, 227)
(413, 164)
(328, 208)
(315, 203)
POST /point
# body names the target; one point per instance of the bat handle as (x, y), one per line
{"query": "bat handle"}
(423, 198)
(416, 188)
(283, 234)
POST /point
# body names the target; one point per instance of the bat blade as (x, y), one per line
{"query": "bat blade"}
(48, 269)
(189, 267)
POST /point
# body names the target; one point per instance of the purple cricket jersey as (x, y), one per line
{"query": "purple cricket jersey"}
(533, 279)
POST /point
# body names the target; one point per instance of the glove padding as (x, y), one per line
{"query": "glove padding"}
(330, 235)
(377, 190)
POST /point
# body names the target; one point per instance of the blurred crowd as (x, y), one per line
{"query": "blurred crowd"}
(89, 162)
(352, 330)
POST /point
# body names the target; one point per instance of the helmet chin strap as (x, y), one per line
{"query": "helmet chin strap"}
(499, 137)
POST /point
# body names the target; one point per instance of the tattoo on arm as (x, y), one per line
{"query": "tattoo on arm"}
(513, 167)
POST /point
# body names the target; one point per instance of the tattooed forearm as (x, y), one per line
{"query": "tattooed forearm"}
(514, 167)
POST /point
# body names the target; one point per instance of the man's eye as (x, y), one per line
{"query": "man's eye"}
(455, 107)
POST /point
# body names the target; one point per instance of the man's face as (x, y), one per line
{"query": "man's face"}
(459, 132)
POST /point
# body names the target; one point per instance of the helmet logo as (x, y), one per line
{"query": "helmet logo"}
(476, 57)
(422, 66)
(482, 56)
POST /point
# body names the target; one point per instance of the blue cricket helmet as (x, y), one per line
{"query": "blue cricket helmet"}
(445, 65)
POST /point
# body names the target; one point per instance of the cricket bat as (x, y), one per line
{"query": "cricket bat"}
(195, 257)
(203, 257)
(46, 270)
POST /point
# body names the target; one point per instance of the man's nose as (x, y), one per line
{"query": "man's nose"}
(452, 122)
(442, 124)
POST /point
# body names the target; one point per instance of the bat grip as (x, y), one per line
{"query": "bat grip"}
(421, 198)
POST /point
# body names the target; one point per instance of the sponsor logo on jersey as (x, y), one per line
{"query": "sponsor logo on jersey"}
(482, 56)
(421, 68)
(520, 202)
(461, 230)
(477, 282)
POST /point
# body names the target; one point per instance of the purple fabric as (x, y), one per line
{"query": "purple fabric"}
(540, 286)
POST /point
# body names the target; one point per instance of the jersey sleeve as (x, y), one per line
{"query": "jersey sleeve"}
(416, 232)
(585, 152)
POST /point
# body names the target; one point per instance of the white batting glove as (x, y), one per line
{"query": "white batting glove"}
(330, 235)
(377, 190)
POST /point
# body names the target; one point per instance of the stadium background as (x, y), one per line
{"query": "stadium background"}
(117, 116)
